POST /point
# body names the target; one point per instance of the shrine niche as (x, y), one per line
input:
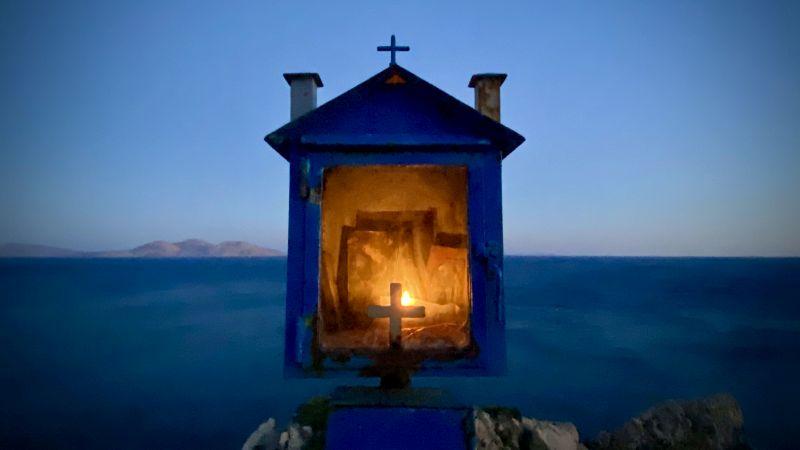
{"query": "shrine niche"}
(394, 225)
(395, 251)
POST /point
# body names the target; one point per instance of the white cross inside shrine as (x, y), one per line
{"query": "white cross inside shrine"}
(395, 312)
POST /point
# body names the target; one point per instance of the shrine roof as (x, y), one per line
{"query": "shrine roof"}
(393, 109)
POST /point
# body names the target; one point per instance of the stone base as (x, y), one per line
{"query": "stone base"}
(421, 418)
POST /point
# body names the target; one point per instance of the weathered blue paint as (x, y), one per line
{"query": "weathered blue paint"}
(397, 428)
(413, 116)
(410, 124)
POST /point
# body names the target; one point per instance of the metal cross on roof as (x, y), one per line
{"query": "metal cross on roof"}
(393, 48)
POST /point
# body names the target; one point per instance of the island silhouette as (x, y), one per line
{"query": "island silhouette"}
(189, 248)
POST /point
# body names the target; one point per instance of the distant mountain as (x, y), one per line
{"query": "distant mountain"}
(36, 251)
(239, 248)
(156, 249)
(190, 248)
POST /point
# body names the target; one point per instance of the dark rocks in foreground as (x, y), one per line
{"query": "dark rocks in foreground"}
(497, 428)
(714, 422)
(307, 430)
(704, 424)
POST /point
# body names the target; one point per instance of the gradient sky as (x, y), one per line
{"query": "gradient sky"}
(668, 128)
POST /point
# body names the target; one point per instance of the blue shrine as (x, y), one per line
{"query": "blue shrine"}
(395, 227)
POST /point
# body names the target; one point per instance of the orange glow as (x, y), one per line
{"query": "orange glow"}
(394, 224)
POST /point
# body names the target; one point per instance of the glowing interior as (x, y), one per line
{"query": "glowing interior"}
(394, 224)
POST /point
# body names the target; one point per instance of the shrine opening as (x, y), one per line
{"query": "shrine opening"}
(387, 224)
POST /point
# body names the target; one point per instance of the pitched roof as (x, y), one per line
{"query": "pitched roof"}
(394, 108)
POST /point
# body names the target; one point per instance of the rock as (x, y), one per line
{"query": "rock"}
(498, 432)
(505, 428)
(314, 415)
(295, 438)
(553, 435)
(264, 438)
(713, 423)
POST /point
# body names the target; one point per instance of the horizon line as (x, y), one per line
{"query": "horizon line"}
(512, 254)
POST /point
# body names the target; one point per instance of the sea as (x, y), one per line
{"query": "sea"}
(187, 353)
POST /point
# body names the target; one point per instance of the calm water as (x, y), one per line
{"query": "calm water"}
(173, 354)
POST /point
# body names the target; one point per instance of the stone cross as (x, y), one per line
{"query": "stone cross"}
(393, 48)
(395, 312)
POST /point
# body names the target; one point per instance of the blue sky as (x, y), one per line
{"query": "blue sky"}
(653, 128)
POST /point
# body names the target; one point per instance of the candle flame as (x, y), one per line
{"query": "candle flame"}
(406, 299)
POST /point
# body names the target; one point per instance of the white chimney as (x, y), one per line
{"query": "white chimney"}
(303, 92)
